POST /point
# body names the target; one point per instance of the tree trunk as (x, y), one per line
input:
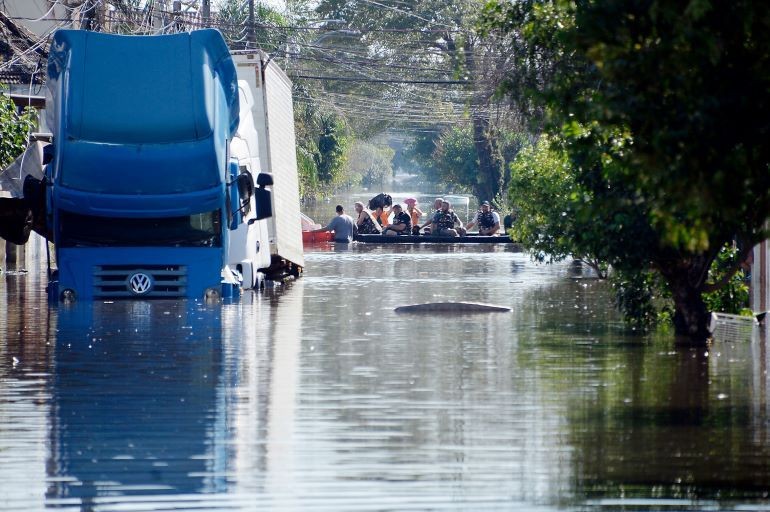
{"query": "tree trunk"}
(490, 179)
(691, 318)
(686, 280)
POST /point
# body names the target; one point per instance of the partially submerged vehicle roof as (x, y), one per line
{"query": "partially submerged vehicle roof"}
(167, 93)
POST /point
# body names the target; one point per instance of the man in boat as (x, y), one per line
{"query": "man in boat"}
(446, 222)
(402, 222)
(487, 220)
(436, 208)
(342, 225)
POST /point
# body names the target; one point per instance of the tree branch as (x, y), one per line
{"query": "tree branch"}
(712, 287)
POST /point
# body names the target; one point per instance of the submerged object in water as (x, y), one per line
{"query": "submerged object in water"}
(452, 307)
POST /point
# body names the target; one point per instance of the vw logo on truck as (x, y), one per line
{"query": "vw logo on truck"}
(139, 283)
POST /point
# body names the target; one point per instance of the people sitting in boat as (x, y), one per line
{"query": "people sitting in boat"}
(487, 220)
(446, 222)
(436, 208)
(342, 225)
(414, 213)
(365, 222)
(402, 222)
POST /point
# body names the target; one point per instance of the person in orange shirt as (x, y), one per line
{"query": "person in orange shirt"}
(382, 215)
(415, 213)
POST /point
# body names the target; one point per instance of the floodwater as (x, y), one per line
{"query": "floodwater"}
(318, 396)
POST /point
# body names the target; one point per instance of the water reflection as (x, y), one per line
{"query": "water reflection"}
(678, 423)
(318, 396)
(135, 387)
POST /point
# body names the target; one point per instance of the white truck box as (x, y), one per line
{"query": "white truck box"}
(273, 113)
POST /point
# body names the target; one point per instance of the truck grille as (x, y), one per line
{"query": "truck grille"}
(148, 281)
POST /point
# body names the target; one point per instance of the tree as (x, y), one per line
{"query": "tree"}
(449, 157)
(232, 19)
(15, 126)
(552, 223)
(663, 114)
(332, 143)
(322, 142)
(433, 40)
(368, 164)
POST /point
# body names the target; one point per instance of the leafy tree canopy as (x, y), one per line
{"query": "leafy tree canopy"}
(663, 113)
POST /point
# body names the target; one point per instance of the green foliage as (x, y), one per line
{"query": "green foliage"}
(552, 224)
(322, 142)
(543, 191)
(14, 128)
(419, 155)
(456, 161)
(332, 143)
(448, 158)
(429, 40)
(642, 298)
(232, 18)
(306, 170)
(368, 164)
(733, 297)
(663, 114)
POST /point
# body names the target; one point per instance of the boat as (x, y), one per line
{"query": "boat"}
(470, 238)
(308, 237)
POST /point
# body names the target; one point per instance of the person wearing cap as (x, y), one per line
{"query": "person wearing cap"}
(342, 225)
(414, 213)
(487, 220)
(445, 222)
(402, 222)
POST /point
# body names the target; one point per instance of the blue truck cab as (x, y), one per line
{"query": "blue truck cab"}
(141, 193)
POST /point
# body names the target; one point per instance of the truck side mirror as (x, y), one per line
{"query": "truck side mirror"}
(264, 179)
(263, 197)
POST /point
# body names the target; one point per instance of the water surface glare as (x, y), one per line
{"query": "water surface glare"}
(318, 396)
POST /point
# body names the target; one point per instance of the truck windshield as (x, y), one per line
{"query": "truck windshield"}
(198, 230)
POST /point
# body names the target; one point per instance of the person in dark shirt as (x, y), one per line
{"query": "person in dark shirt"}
(445, 222)
(401, 224)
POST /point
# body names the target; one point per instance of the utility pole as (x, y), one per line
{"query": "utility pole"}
(88, 20)
(206, 12)
(177, 13)
(252, 36)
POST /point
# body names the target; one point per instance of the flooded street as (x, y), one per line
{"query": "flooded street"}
(318, 396)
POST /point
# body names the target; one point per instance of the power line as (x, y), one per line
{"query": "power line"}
(382, 80)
